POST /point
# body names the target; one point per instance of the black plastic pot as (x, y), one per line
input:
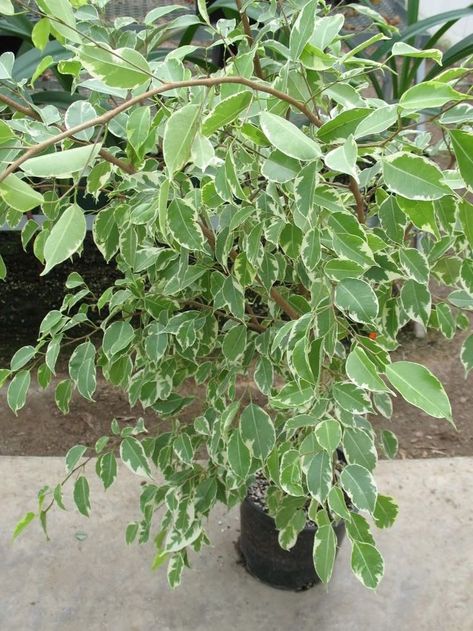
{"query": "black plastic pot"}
(266, 560)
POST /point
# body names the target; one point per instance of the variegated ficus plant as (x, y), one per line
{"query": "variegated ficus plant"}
(274, 226)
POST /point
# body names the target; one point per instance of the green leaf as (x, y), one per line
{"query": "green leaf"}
(183, 449)
(361, 370)
(19, 194)
(344, 124)
(107, 469)
(415, 264)
(82, 369)
(358, 447)
(280, 168)
(63, 22)
(52, 353)
(466, 354)
(429, 94)
(117, 337)
(319, 476)
(416, 301)
(385, 512)
(239, 457)
(65, 238)
(465, 214)
(234, 297)
(446, 321)
(18, 389)
(406, 50)
(393, 220)
(4, 374)
(367, 564)
(343, 159)
(226, 111)
(358, 529)
(61, 164)
(462, 143)
(329, 435)
(263, 375)
(357, 299)
(40, 33)
(179, 135)
(175, 568)
(22, 357)
(461, 299)
(288, 138)
(325, 549)
(131, 532)
(353, 248)
(63, 395)
(390, 443)
(7, 8)
(81, 495)
(418, 386)
(339, 270)
(291, 476)
(337, 504)
(461, 113)
(202, 7)
(183, 225)
(300, 361)
(73, 456)
(360, 486)
(304, 197)
(234, 343)
(80, 112)
(134, 457)
(257, 431)
(28, 518)
(376, 122)
(413, 177)
(421, 213)
(302, 30)
(351, 398)
(122, 68)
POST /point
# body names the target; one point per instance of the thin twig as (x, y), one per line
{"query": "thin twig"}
(247, 28)
(360, 204)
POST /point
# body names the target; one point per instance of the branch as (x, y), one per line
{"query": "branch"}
(31, 113)
(103, 119)
(360, 204)
(247, 28)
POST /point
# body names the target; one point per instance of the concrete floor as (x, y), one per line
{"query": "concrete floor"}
(98, 583)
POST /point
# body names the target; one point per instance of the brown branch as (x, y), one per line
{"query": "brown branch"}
(247, 28)
(31, 113)
(103, 119)
(360, 204)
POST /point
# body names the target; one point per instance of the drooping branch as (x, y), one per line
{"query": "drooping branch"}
(103, 119)
(31, 113)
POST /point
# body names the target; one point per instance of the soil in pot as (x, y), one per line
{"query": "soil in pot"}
(263, 556)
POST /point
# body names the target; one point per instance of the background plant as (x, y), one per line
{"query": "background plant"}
(262, 219)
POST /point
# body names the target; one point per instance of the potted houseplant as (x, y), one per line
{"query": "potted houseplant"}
(262, 219)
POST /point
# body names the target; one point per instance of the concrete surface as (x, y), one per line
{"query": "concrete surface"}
(100, 584)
